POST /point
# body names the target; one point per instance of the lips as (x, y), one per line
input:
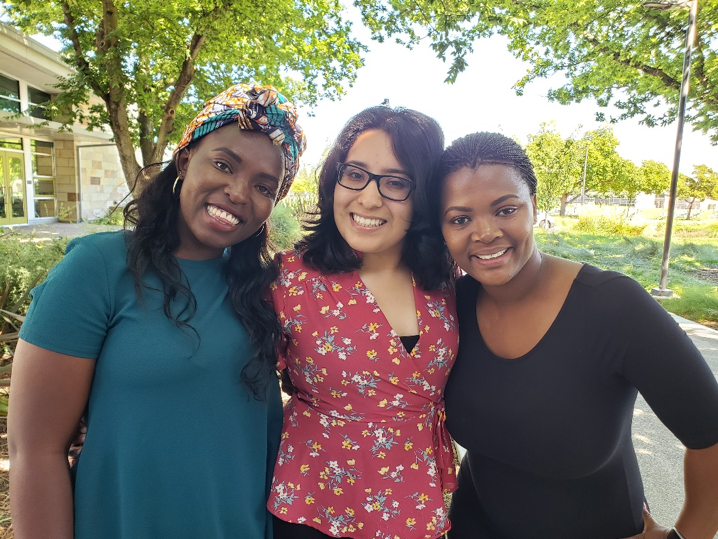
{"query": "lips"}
(367, 222)
(223, 216)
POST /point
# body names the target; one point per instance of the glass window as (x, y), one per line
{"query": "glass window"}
(36, 99)
(11, 143)
(43, 175)
(45, 207)
(9, 94)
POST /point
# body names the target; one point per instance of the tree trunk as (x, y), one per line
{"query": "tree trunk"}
(564, 203)
(121, 130)
(690, 207)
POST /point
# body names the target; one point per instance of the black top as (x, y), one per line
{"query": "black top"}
(549, 434)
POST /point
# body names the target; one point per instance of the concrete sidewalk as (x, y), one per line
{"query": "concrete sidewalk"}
(58, 230)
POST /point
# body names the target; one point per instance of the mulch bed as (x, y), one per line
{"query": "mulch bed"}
(708, 274)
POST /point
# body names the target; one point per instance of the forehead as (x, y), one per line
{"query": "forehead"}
(486, 179)
(373, 147)
(252, 147)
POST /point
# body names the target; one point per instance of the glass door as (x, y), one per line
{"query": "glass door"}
(13, 208)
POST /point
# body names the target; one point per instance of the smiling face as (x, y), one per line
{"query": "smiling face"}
(230, 185)
(368, 222)
(487, 217)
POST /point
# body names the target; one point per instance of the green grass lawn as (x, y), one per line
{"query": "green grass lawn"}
(692, 274)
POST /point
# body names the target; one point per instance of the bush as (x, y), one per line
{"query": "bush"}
(112, 217)
(607, 226)
(284, 229)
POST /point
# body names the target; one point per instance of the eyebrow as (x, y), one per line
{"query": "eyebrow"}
(502, 199)
(234, 155)
(389, 171)
(463, 209)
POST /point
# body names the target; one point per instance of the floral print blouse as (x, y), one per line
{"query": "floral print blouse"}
(364, 450)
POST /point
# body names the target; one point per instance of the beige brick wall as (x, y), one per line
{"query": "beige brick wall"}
(103, 183)
(66, 180)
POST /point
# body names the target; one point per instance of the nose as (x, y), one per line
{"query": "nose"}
(486, 230)
(370, 197)
(238, 191)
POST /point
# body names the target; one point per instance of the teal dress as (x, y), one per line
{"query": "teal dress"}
(177, 447)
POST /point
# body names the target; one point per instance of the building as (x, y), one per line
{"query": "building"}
(47, 173)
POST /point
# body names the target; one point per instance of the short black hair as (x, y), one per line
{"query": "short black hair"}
(418, 142)
(486, 148)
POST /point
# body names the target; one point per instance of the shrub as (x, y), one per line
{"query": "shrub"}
(604, 225)
(285, 229)
(113, 216)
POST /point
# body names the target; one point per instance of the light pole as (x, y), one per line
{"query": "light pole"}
(662, 291)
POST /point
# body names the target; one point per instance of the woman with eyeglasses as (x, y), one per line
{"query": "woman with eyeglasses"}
(367, 307)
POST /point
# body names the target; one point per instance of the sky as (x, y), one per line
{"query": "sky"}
(482, 99)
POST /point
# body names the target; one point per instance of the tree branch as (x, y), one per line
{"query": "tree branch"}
(83, 65)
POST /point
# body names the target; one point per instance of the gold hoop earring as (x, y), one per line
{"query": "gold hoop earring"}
(259, 232)
(178, 180)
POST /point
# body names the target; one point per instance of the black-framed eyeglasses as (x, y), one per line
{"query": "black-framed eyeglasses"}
(397, 188)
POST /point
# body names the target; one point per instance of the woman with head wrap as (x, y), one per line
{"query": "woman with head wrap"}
(160, 333)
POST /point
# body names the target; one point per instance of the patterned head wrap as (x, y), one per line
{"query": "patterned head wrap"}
(254, 108)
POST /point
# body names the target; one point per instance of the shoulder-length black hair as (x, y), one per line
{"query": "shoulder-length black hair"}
(249, 270)
(417, 141)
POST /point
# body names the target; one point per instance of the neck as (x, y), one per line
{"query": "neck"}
(382, 263)
(526, 282)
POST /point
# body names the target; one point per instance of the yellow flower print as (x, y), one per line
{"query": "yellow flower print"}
(394, 380)
(330, 510)
(317, 520)
(298, 308)
(423, 497)
(381, 455)
(293, 291)
(408, 446)
(333, 330)
(350, 511)
(383, 403)
(304, 468)
(384, 470)
(324, 310)
(338, 491)
(348, 407)
(346, 444)
(396, 360)
(388, 492)
(336, 287)
(328, 347)
(351, 462)
(371, 354)
(410, 521)
(373, 326)
(302, 276)
(352, 302)
(309, 500)
(414, 466)
(283, 511)
(416, 374)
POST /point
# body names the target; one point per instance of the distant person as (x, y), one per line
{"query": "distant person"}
(367, 307)
(161, 335)
(552, 354)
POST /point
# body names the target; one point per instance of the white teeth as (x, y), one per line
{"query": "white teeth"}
(362, 221)
(219, 213)
(489, 257)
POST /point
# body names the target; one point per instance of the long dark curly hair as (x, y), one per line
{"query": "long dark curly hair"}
(417, 141)
(249, 270)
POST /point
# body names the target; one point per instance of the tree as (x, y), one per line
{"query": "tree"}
(703, 184)
(615, 51)
(655, 177)
(153, 63)
(559, 165)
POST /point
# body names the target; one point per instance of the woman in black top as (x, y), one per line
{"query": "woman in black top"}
(552, 354)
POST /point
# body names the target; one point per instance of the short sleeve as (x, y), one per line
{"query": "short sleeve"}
(665, 366)
(70, 311)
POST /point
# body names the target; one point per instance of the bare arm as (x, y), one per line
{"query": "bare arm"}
(48, 396)
(699, 516)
